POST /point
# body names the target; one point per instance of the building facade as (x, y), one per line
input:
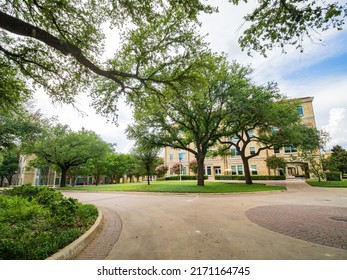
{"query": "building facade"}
(232, 164)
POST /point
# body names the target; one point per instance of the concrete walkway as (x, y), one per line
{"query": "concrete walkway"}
(300, 223)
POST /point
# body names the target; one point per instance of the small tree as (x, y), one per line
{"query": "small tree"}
(161, 170)
(337, 161)
(9, 165)
(177, 168)
(276, 163)
(193, 166)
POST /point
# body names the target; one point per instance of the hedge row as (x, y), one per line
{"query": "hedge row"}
(184, 177)
(258, 177)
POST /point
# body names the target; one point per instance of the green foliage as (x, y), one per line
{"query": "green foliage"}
(258, 177)
(36, 222)
(337, 161)
(275, 163)
(191, 116)
(64, 148)
(333, 176)
(193, 166)
(161, 170)
(279, 23)
(183, 177)
(9, 164)
(13, 90)
(63, 41)
(328, 184)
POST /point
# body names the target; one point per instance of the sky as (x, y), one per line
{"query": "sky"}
(320, 72)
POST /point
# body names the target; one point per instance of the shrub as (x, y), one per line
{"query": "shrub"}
(161, 170)
(333, 176)
(184, 177)
(257, 177)
(36, 222)
(177, 168)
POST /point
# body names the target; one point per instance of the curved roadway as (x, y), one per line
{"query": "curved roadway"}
(300, 223)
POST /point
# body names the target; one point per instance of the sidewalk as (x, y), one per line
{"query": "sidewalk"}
(301, 223)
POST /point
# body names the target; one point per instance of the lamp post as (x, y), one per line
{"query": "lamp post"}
(180, 171)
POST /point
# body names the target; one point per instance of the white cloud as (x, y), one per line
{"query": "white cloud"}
(87, 118)
(337, 127)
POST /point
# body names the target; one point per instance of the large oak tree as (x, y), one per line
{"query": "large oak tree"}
(191, 118)
(64, 148)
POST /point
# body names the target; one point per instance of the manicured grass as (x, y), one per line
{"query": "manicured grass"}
(329, 184)
(179, 187)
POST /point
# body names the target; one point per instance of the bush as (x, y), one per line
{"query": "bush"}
(184, 177)
(333, 176)
(36, 222)
(242, 178)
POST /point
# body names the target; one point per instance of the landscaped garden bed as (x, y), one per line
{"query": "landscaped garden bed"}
(35, 222)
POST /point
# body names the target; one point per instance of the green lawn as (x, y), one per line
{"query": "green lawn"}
(179, 187)
(330, 184)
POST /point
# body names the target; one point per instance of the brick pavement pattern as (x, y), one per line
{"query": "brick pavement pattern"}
(100, 247)
(324, 225)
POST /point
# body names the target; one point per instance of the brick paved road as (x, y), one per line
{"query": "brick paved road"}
(319, 224)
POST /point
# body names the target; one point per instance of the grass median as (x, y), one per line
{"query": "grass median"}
(328, 184)
(179, 187)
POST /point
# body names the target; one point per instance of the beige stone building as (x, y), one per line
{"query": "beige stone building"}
(232, 165)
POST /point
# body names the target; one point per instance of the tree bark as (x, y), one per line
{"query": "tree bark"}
(247, 171)
(19, 27)
(63, 177)
(201, 171)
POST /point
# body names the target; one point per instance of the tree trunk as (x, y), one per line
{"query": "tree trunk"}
(247, 171)
(201, 171)
(148, 169)
(72, 180)
(63, 177)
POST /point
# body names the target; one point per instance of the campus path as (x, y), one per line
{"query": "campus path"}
(300, 223)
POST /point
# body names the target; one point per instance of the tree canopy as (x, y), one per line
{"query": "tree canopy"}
(278, 23)
(192, 118)
(59, 45)
(64, 148)
(262, 118)
(337, 161)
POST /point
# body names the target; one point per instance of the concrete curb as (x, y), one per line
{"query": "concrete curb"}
(73, 249)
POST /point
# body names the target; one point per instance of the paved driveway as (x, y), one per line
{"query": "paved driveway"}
(301, 223)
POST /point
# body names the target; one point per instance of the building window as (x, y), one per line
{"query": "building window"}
(240, 170)
(277, 150)
(182, 156)
(233, 170)
(300, 110)
(289, 149)
(250, 133)
(252, 150)
(217, 170)
(234, 152)
(171, 172)
(254, 170)
(236, 170)
(171, 157)
(208, 170)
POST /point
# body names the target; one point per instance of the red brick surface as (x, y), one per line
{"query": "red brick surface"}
(324, 225)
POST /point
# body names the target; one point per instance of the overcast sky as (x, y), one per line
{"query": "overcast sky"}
(321, 72)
